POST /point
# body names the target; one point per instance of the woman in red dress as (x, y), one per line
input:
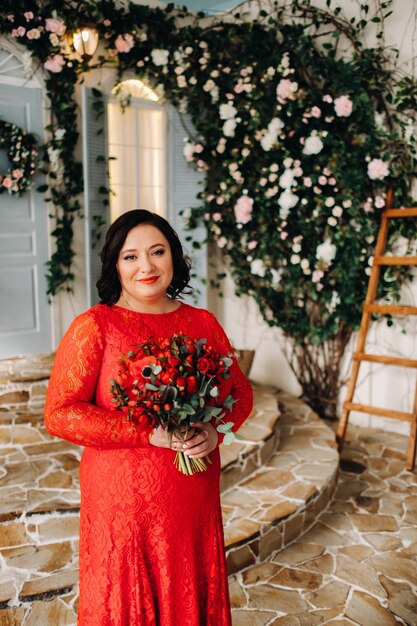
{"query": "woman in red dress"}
(151, 538)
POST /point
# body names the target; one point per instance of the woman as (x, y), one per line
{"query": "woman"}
(151, 538)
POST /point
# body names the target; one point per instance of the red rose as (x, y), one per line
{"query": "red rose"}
(191, 384)
(203, 365)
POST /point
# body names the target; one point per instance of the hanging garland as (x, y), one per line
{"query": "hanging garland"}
(23, 154)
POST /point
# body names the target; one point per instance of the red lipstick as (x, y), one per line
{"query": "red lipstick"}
(149, 281)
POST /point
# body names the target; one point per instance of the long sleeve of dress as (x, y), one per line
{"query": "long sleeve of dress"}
(241, 389)
(70, 412)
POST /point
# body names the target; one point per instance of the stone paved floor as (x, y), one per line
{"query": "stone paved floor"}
(358, 564)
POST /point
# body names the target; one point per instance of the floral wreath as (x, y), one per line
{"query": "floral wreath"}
(23, 153)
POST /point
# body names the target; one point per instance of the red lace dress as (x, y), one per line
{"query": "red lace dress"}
(151, 539)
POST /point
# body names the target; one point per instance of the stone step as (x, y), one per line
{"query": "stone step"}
(39, 496)
(277, 503)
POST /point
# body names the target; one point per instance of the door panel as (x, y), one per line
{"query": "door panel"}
(25, 316)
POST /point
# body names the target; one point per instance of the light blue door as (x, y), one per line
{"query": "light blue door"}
(25, 315)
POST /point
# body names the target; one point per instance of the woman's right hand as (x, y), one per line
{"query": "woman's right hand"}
(161, 439)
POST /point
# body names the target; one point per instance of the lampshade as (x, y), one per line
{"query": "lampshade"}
(85, 41)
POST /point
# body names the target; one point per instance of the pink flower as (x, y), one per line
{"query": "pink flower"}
(379, 202)
(21, 31)
(377, 169)
(220, 200)
(33, 33)
(284, 235)
(315, 112)
(326, 171)
(319, 286)
(286, 89)
(238, 88)
(217, 217)
(201, 165)
(28, 15)
(322, 180)
(243, 209)
(124, 43)
(343, 106)
(307, 181)
(55, 64)
(55, 26)
(327, 98)
(367, 207)
(252, 245)
(198, 148)
(7, 182)
(317, 275)
(17, 174)
(107, 23)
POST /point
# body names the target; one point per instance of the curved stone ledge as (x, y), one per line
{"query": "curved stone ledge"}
(279, 502)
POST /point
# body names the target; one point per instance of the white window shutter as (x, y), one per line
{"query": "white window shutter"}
(184, 183)
(96, 208)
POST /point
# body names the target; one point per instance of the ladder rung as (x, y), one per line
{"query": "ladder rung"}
(395, 260)
(363, 408)
(393, 309)
(406, 212)
(390, 360)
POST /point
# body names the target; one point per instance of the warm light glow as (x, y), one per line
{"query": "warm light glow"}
(134, 88)
(85, 41)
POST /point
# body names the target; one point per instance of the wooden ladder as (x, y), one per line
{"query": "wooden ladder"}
(368, 309)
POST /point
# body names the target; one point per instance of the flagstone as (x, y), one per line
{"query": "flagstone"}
(402, 600)
(357, 552)
(367, 611)
(55, 612)
(297, 578)
(369, 504)
(7, 591)
(236, 593)
(40, 500)
(300, 491)
(273, 598)
(278, 511)
(333, 592)
(270, 541)
(41, 558)
(323, 564)
(382, 542)
(239, 531)
(260, 573)
(12, 616)
(324, 535)
(294, 527)
(395, 565)
(58, 528)
(51, 447)
(13, 534)
(267, 479)
(358, 574)
(239, 558)
(338, 521)
(24, 474)
(251, 618)
(46, 584)
(299, 553)
(367, 523)
(57, 479)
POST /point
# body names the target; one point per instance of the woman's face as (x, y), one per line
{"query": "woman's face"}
(145, 265)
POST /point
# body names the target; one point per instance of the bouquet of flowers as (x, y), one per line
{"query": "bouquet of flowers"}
(174, 383)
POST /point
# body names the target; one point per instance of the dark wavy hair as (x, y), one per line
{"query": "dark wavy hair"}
(108, 285)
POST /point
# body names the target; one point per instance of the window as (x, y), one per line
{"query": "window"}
(137, 140)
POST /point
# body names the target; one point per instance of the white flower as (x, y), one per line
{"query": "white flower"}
(326, 251)
(296, 247)
(295, 259)
(337, 211)
(229, 128)
(276, 278)
(222, 242)
(271, 136)
(287, 201)
(258, 268)
(188, 151)
(329, 202)
(209, 85)
(227, 111)
(267, 142)
(313, 145)
(159, 56)
(286, 180)
(181, 81)
(214, 392)
(60, 133)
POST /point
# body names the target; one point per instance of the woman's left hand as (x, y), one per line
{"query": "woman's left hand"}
(203, 441)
